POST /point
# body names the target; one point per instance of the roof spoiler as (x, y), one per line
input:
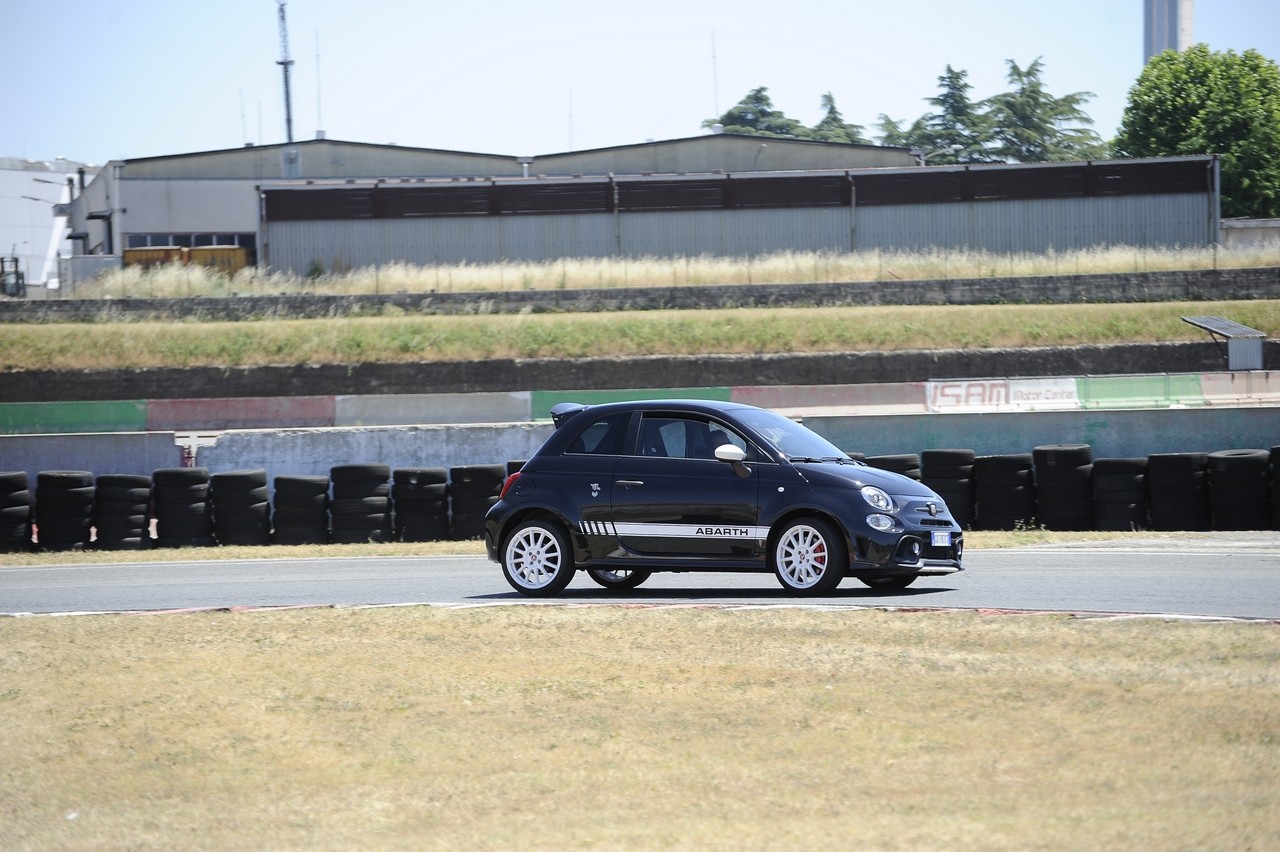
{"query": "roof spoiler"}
(562, 411)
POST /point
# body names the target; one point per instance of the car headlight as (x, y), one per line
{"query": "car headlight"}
(883, 523)
(877, 498)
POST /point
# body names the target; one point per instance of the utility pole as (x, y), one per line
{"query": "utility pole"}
(285, 62)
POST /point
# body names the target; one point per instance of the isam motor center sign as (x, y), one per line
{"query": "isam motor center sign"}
(1003, 395)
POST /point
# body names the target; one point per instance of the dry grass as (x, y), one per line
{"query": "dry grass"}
(549, 727)
(612, 273)
(72, 346)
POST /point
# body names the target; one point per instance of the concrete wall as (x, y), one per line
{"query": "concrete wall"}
(315, 451)
(131, 452)
(1112, 434)
(513, 376)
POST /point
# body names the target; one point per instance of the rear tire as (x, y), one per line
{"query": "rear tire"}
(809, 557)
(536, 559)
(624, 579)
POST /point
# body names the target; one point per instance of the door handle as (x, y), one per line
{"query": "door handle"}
(629, 483)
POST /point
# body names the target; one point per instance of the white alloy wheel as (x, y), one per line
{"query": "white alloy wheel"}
(536, 559)
(809, 557)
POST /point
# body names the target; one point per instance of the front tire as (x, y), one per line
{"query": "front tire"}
(536, 559)
(626, 579)
(886, 583)
(810, 557)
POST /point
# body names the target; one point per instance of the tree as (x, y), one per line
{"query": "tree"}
(1203, 102)
(754, 115)
(915, 136)
(960, 130)
(1032, 126)
(833, 128)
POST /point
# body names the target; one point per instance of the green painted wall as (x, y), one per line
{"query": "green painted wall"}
(34, 418)
(1158, 391)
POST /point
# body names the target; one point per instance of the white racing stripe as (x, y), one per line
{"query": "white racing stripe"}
(726, 531)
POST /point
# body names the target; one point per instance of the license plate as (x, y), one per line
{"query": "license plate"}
(940, 539)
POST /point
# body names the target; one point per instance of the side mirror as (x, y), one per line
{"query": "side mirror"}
(734, 455)
(730, 453)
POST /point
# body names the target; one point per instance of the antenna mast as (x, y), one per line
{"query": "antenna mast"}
(285, 62)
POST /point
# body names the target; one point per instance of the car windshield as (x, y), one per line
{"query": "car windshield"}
(789, 437)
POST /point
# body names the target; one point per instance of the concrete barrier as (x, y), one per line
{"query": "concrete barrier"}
(118, 452)
(315, 451)
(1112, 434)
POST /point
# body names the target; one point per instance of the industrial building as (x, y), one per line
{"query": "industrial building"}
(330, 206)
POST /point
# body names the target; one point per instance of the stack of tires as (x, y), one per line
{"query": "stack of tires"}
(1239, 490)
(1004, 492)
(1120, 494)
(184, 516)
(15, 511)
(1064, 486)
(64, 509)
(907, 464)
(950, 474)
(1178, 491)
(420, 500)
(122, 511)
(472, 490)
(301, 513)
(361, 506)
(241, 507)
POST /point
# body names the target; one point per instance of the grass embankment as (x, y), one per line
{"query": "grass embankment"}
(66, 346)
(691, 728)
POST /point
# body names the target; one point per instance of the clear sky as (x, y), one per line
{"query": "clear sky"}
(97, 80)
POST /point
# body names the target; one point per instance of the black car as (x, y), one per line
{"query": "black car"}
(624, 489)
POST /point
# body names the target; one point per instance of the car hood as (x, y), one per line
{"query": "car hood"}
(856, 475)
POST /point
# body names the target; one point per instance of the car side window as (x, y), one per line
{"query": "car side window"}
(684, 438)
(601, 437)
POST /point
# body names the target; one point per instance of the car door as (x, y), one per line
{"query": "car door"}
(673, 499)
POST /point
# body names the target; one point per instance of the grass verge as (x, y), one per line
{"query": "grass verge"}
(550, 727)
(75, 346)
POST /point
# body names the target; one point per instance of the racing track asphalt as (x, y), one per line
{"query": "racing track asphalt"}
(1225, 575)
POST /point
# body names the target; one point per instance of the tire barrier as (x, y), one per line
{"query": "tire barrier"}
(241, 507)
(122, 511)
(183, 513)
(950, 473)
(1178, 490)
(187, 507)
(360, 510)
(472, 490)
(420, 502)
(1239, 489)
(1004, 491)
(15, 511)
(1064, 491)
(301, 510)
(64, 509)
(1120, 494)
(907, 464)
